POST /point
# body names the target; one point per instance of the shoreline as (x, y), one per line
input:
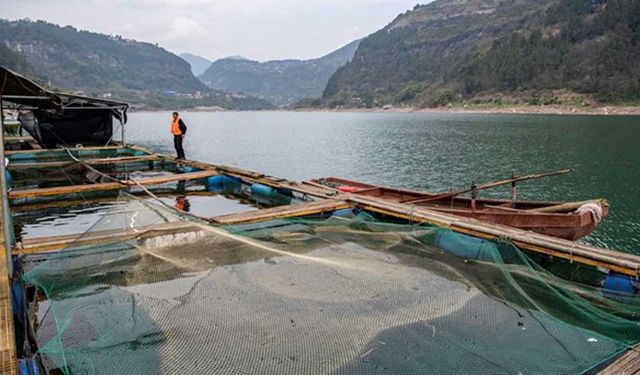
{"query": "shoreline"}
(522, 110)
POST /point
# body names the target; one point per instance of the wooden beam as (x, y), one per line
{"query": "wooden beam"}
(627, 364)
(52, 164)
(625, 263)
(61, 190)
(281, 212)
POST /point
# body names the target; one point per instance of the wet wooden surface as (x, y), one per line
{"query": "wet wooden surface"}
(8, 363)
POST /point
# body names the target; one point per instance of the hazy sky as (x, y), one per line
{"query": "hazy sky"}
(257, 29)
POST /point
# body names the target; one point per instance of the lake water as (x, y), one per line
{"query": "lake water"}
(427, 151)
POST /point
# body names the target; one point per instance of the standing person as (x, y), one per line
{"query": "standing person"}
(178, 129)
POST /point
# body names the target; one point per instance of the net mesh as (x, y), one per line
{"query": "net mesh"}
(337, 295)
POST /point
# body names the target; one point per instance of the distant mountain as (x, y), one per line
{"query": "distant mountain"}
(198, 63)
(236, 57)
(97, 64)
(453, 50)
(282, 82)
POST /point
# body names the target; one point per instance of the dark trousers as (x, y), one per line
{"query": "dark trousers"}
(177, 142)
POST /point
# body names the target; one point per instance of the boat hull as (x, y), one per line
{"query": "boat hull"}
(570, 225)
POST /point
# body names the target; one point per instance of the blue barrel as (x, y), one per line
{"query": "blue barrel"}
(270, 196)
(467, 247)
(9, 179)
(617, 282)
(28, 366)
(346, 212)
(223, 184)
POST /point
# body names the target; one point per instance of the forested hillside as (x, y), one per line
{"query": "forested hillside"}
(96, 64)
(486, 50)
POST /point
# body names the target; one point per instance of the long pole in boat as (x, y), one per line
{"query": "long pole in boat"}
(6, 219)
(511, 181)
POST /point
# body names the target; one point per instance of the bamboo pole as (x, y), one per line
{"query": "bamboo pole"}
(281, 212)
(487, 186)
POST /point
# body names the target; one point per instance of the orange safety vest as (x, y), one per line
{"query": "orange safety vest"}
(175, 127)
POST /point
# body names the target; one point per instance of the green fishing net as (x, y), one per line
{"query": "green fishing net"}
(328, 295)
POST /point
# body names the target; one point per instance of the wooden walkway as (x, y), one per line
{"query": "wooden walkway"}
(8, 360)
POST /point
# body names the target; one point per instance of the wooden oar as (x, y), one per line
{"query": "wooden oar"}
(487, 186)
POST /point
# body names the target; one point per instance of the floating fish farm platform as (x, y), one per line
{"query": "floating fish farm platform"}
(119, 259)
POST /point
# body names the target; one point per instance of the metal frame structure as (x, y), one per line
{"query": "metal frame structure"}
(41, 98)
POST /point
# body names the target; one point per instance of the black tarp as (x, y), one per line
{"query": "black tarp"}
(54, 118)
(75, 126)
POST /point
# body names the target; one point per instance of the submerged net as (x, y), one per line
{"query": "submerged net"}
(336, 295)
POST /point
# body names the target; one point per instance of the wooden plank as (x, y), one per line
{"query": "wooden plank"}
(61, 150)
(627, 364)
(613, 260)
(61, 190)
(8, 356)
(52, 164)
(87, 201)
(281, 212)
(50, 244)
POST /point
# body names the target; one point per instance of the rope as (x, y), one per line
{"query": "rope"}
(133, 181)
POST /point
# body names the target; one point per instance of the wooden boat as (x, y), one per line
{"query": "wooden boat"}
(572, 220)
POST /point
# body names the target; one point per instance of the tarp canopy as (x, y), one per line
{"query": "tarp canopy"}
(55, 118)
